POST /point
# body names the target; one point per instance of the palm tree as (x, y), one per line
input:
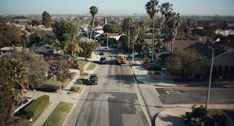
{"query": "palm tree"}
(174, 24)
(151, 8)
(93, 11)
(127, 24)
(133, 33)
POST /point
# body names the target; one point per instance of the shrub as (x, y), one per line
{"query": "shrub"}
(200, 116)
(50, 86)
(75, 88)
(34, 109)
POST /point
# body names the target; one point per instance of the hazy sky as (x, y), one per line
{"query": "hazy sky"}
(185, 7)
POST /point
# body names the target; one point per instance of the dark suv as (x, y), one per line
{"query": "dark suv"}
(93, 79)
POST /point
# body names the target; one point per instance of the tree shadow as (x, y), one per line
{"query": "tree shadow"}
(174, 120)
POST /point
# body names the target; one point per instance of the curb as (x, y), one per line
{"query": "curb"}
(135, 75)
(69, 114)
(147, 114)
(73, 107)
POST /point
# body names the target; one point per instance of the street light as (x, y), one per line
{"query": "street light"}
(211, 70)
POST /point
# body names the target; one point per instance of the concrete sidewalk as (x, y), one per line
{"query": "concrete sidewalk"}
(171, 117)
(142, 76)
(56, 98)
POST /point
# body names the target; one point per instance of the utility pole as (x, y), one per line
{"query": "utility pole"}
(210, 78)
(133, 50)
(107, 40)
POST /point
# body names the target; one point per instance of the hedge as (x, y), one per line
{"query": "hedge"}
(50, 86)
(34, 109)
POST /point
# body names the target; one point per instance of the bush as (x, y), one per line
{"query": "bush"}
(50, 86)
(200, 116)
(75, 88)
(34, 109)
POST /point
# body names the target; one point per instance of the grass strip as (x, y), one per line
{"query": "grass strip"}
(91, 66)
(59, 115)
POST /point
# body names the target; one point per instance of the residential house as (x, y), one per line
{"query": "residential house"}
(9, 50)
(223, 60)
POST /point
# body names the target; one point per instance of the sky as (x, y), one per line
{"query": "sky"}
(108, 7)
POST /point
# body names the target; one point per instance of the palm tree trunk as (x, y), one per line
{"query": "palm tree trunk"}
(153, 40)
(173, 40)
(91, 33)
(129, 40)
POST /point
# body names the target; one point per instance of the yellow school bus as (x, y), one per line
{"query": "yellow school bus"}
(122, 59)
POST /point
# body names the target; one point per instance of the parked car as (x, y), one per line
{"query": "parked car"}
(101, 53)
(154, 66)
(93, 79)
(102, 60)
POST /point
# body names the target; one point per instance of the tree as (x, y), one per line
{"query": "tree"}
(58, 71)
(37, 68)
(87, 47)
(127, 24)
(93, 11)
(111, 27)
(46, 19)
(36, 22)
(107, 28)
(151, 9)
(13, 77)
(174, 24)
(10, 35)
(170, 23)
(188, 30)
(188, 63)
(64, 31)
(166, 11)
(73, 47)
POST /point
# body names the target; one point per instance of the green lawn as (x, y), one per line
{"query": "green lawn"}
(91, 66)
(81, 63)
(59, 115)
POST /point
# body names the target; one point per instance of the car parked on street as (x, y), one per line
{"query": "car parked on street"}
(93, 79)
(102, 60)
(154, 67)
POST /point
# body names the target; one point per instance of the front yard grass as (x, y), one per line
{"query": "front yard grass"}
(81, 63)
(91, 66)
(59, 115)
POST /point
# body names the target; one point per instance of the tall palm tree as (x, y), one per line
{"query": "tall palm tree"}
(174, 24)
(133, 33)
(93, 11)
(127, 24)
(151, 9)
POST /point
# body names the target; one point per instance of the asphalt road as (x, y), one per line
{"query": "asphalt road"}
(113, 102)
(195, 95)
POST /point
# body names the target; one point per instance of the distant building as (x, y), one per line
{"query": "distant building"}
(181, 44)
(45, 50)
(10, 49)
(224, 32)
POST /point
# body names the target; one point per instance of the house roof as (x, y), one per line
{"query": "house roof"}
(10, 48)
(182, 44)
(205, 50)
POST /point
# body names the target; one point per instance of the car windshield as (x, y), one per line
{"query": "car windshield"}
(93, 76)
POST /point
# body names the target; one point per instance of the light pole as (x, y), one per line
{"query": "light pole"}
(107, 40)
(211, 70)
